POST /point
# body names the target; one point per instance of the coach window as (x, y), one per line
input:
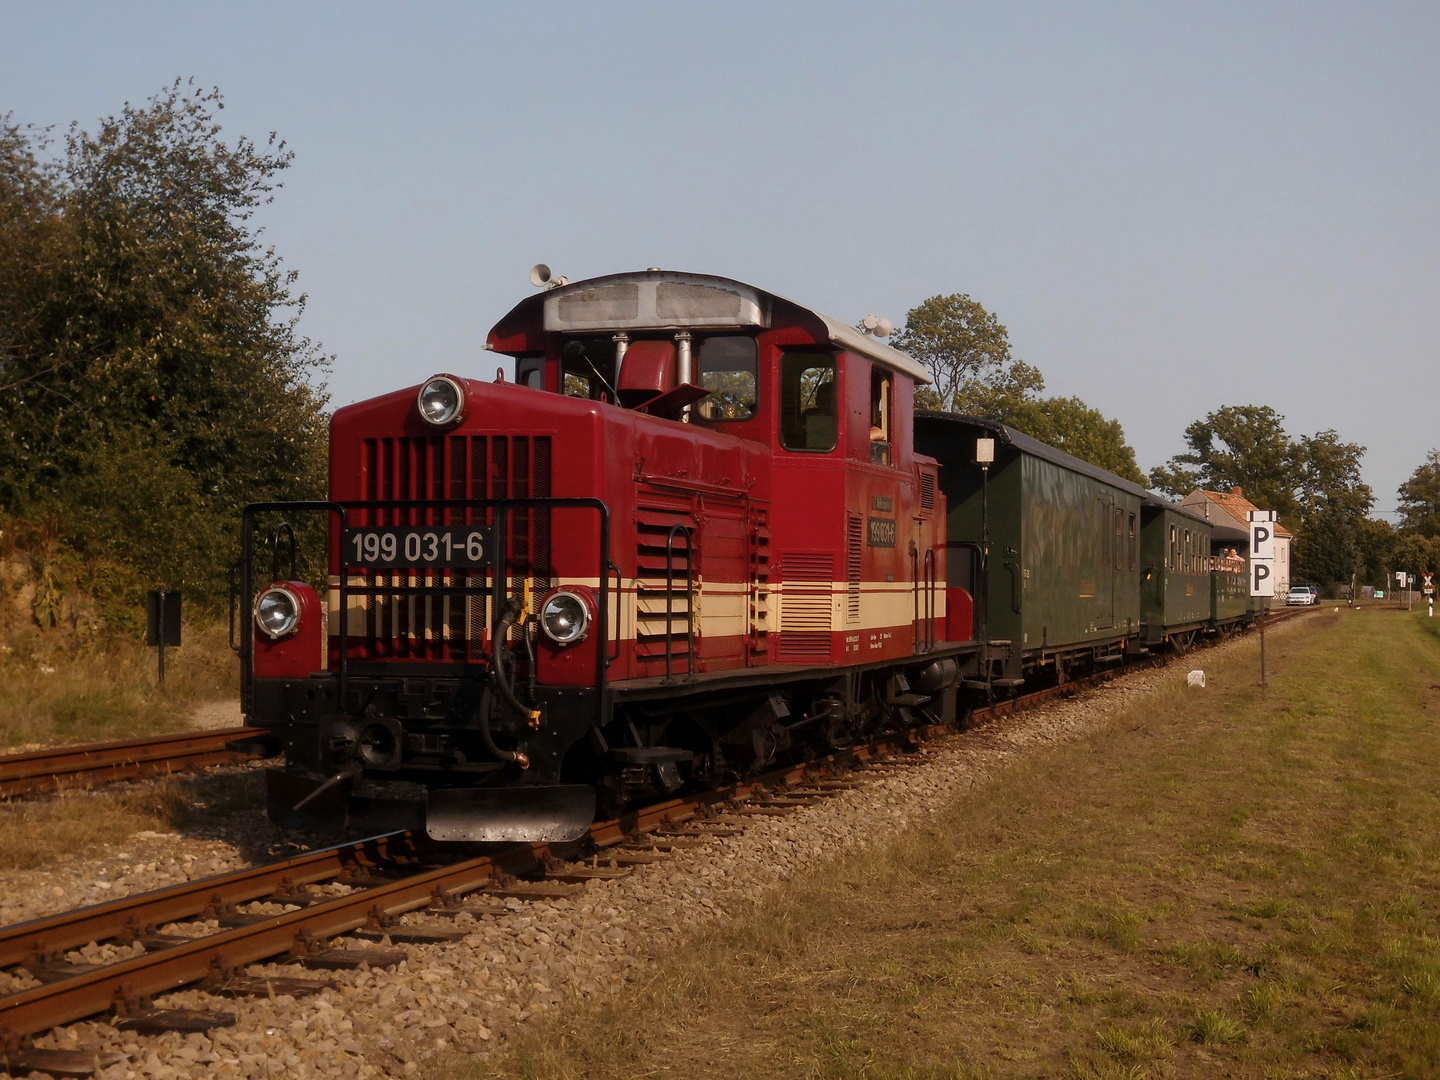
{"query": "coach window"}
(880, 398)
(727, 370)
(807, 401)
(1132, 542)
(1174, 552)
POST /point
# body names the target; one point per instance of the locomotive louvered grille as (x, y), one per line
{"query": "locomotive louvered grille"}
(927, 489)
(440, 622)
(854, 531)
(662, 591)
(805, 605)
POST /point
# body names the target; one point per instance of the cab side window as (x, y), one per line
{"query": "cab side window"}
(808, 406)
(881, 395)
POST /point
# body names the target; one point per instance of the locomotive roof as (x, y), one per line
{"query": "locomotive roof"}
(1030, 445)
(748, 306)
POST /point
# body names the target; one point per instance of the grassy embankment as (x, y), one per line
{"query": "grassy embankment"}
(108, 689)
(1220, 884)
(54, 692)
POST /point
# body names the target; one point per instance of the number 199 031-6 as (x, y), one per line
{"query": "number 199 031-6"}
(457, 545)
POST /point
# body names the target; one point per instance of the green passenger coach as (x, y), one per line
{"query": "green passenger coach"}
(1062, 576)
(1175, 589)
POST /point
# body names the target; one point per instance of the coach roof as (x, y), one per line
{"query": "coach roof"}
(1036, 448)
(672, 300)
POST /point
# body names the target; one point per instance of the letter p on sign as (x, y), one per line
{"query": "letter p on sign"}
(1262, 553)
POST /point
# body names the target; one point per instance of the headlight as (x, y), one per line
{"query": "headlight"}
(565, 617)
(277, 612)
(441, 400)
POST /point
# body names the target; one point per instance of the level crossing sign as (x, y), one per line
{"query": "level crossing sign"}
(1427, 584)
(1262, 552)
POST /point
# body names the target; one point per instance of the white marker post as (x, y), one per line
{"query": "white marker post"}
(1428, 585)
(1262, 568)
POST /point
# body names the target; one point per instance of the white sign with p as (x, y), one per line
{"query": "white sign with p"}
(1262, 552)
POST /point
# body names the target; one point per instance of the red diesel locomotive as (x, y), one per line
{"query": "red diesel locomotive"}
(692, 535)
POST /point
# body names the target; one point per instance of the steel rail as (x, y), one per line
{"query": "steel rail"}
(99, 763)
(130, 915)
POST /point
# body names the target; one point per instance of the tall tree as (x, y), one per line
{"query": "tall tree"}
(1071, 425)
(960, 343)
(151, 368)
(1334, 504)
(967, 351)
(1243, 446)
(1420, 498)
(1312, 482)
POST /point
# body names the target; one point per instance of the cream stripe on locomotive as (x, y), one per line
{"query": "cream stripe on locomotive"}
(722, 609)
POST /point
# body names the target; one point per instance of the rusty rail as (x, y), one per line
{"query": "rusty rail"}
(100, 763)
(88, 993)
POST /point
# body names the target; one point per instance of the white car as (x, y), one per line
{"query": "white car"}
(1302, 594)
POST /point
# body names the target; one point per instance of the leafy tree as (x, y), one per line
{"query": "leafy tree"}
(967, 351)
(1375, 541)
(1334, 504)
(1313, 483)
(960, 343)
(1241, 446)
(152, 376)
(1071, 425)
(1420, 498)
(1417, 553)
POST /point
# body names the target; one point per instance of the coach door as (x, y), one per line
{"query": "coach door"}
(1107, 550)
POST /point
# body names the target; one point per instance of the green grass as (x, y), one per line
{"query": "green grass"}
(98, 691)
(1222, 883)
(34, 832)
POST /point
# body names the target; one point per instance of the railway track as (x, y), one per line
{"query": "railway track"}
(91, 764)
(379, 879)
(364, 888)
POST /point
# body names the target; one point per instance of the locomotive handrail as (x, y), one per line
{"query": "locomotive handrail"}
(497, 577)
(689, 598)
(286, 528)
(929, 599)
(233, 577)
(611, 568)
(915, 598)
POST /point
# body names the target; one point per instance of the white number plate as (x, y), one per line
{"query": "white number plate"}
(461, 546)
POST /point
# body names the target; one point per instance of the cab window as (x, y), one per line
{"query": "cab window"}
(807, 401)
(881, 394)
(587, 368)
(727, 370)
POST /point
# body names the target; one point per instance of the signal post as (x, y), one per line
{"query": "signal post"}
(1262, 568)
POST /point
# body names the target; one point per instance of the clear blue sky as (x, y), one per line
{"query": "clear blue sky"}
(1171, 207)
